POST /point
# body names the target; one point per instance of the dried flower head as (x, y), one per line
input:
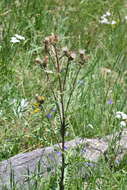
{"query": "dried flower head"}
(52, 39)
(72, 55)
(65, 49)
(45, 61)
(81, 52)
(38, 60)
(17, 38)
(83, 58)
(47, 40)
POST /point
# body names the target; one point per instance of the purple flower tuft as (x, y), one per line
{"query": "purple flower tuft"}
(65, 147)
(49, 115)
(109, 102)
(59, 153)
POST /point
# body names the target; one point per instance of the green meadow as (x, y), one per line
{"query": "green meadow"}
(99, 28)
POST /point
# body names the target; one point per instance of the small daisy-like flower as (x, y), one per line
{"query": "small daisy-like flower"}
(113, 22)
(108, 13)
(14, 40)
(123, 124)
(104, 21)
(17, 38)
(125, 17)
(121, 115)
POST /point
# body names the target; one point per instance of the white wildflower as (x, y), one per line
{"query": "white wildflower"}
(121, 115)
(122, 124)
(113, 22)
(19, 37)
(103, 16)
(125, 17)
(108, 13)
(16, 38)
(104, 21)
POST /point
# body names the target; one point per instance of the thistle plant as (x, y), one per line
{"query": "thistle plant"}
(62, 68)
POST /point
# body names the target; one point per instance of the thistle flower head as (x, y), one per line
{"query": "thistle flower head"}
(38, 60)
(81, 51)
(72, 55)
(65, 49)
(45, 61)
(52, 39)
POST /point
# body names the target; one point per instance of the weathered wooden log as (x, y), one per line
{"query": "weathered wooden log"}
(21, 166)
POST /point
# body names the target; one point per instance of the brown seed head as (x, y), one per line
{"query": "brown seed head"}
(84, 59)
(45, 61)
(72, 55)
(38, 60)
(47, 40)
(66, 51)
(53, 39)
(82, 52)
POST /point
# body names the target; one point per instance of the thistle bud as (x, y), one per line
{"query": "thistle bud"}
(38, 60)
(46, 42)
(45, 61)
(53, 39)
(65, 51)
(72, 55)
(82, 52)
(84, 59)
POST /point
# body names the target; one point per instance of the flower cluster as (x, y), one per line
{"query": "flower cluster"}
(54, 52)
(38, 105)
(50, 40)
(123, 117)
(42, 63)
(105, 19)
(17, 38)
